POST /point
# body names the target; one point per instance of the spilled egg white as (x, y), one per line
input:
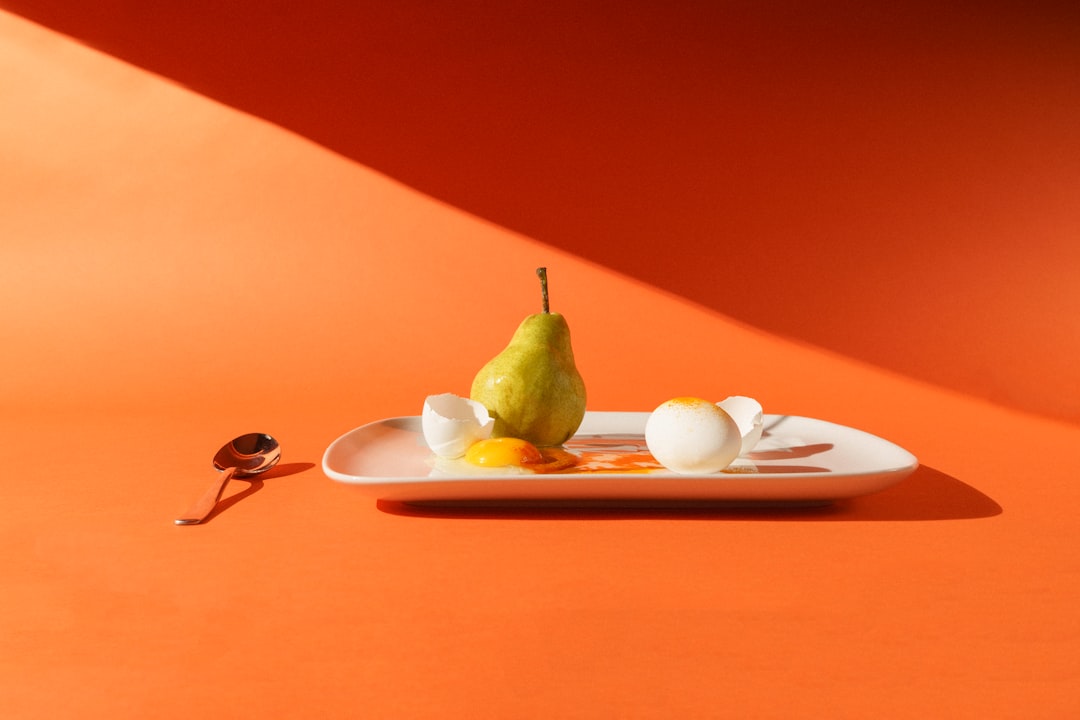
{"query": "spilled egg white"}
(748, 415)
(452, 423)
(689, 435)
(460, 467)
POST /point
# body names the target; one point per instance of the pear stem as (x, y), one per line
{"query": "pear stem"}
(541, 273)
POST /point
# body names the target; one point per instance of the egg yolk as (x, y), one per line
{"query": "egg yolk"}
(507, 451)
(503, 451)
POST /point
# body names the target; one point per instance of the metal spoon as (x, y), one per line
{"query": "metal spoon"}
(248, 454)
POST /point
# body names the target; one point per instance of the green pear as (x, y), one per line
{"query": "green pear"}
(533, 388)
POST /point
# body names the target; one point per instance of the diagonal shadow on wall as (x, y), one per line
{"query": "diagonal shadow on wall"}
(894, 184)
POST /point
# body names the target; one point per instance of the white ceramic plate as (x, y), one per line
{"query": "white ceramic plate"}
(798, 461)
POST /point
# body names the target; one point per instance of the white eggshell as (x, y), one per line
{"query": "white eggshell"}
(452, 423)
(748, 415)
(692, 436)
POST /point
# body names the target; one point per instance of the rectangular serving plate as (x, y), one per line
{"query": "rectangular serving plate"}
(799, 461)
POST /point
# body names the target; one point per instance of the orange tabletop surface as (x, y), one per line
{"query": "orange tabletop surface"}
(237, 217)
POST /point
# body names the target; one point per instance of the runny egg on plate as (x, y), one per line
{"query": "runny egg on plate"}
(506, 456)
(458, 431)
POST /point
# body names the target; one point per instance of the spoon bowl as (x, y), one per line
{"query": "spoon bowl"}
(248, 454)
(242, 456)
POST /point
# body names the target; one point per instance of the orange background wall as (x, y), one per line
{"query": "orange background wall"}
(895, 184)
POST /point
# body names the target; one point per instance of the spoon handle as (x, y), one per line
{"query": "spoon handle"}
(205, 504)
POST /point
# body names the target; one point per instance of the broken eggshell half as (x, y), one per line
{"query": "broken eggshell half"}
(748, 415)
(452, 423)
